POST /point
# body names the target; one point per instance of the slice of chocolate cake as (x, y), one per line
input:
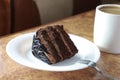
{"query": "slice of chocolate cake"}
(52, 44)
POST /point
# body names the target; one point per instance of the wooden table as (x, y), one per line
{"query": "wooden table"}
(81, 25)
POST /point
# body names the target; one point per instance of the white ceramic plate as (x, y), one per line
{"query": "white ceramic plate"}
(19, 49)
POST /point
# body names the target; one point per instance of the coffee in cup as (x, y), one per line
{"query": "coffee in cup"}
(111, 9)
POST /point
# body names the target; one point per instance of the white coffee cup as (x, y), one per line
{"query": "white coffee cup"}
(107, 28)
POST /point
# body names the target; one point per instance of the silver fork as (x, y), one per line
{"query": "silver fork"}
(93, 65)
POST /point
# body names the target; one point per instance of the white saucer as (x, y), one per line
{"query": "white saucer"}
(19, 49)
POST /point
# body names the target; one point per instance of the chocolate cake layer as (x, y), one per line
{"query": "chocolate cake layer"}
(57, 44)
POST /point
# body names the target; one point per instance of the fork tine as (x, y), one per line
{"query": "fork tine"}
(88, 62)
(85, 61)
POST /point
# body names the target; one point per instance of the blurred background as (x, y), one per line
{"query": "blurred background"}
(18, 15)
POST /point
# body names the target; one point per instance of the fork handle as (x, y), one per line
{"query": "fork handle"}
(104, 74)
